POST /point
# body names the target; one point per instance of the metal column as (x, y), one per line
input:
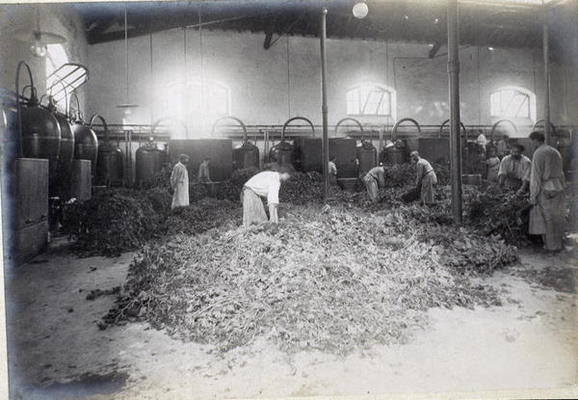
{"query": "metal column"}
(454, 94)
(546, 52)
(325, 141)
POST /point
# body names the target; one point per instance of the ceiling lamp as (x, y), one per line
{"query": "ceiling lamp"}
(360, 9)
(38, 39)
(126, 105)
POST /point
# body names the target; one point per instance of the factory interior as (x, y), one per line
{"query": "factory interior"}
(220, 199)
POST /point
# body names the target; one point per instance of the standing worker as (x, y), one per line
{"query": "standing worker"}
(204, 175)
(332, 168)
(180, 182)
(266, 185)
(514, 172)
(503, 146)
(374, 179)
(425, 178)
(547, 185)
(492, 165)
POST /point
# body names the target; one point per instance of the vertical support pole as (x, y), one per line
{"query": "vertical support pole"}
(325, 140)
(454, 94)
(546, 53)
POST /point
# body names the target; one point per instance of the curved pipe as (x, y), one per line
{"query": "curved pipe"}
(158, 122)
(447, 121)
(294, 119)
(349, 119)
(542, 121)
(245, 138)
(33, 91)
(95, 116)
(398, 123)
(495, 126)
(18, 102)
(65, 97)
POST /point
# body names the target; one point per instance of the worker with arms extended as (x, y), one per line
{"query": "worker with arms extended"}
(204, 175)
(547, 184)
(374, 180)
(264, 185)
(180, 182)
(426, 179)
(514, 172)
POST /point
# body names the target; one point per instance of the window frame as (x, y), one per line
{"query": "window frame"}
(530, 96)
(371, 88)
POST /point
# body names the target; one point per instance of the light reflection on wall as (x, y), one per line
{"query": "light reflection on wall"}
(197, 103)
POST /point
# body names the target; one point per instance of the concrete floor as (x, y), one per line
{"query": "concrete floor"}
(56, 350)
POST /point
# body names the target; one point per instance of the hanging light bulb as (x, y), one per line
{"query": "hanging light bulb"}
(38, 48)
(360, 10)
(38, 39)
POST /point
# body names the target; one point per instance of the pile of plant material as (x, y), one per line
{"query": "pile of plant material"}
(160, 199)
(202, 216)
(497, 211)
(330, 279)
(112, 222)
(231, 189)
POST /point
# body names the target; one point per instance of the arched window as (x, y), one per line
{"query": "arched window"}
(55, 58)
(371, 100)
(513, 102)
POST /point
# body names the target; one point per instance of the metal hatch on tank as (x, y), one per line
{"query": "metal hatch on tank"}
(109, 171)
(85, 140)
(398, 153)
(285, 152)
(245, 155)
(365, 152)
(149, 161)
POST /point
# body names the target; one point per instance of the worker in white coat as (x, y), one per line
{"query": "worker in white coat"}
(180, 182)
(425, 178)
(264, 185)
(373, 180)
(547, 184)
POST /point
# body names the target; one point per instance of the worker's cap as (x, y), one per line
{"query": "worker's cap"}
(184, 157)
(388, 144)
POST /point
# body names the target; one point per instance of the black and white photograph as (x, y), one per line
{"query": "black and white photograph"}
(289, 199)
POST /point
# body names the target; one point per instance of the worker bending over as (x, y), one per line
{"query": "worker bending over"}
(514, 172)
(180, 182)
(332, 168)
(425, 178)
(374, 179)
(265, 185)
(547, 184)
(204, 176)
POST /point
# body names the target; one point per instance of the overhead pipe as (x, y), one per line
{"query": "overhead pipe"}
(454, 98)
(325, 140)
